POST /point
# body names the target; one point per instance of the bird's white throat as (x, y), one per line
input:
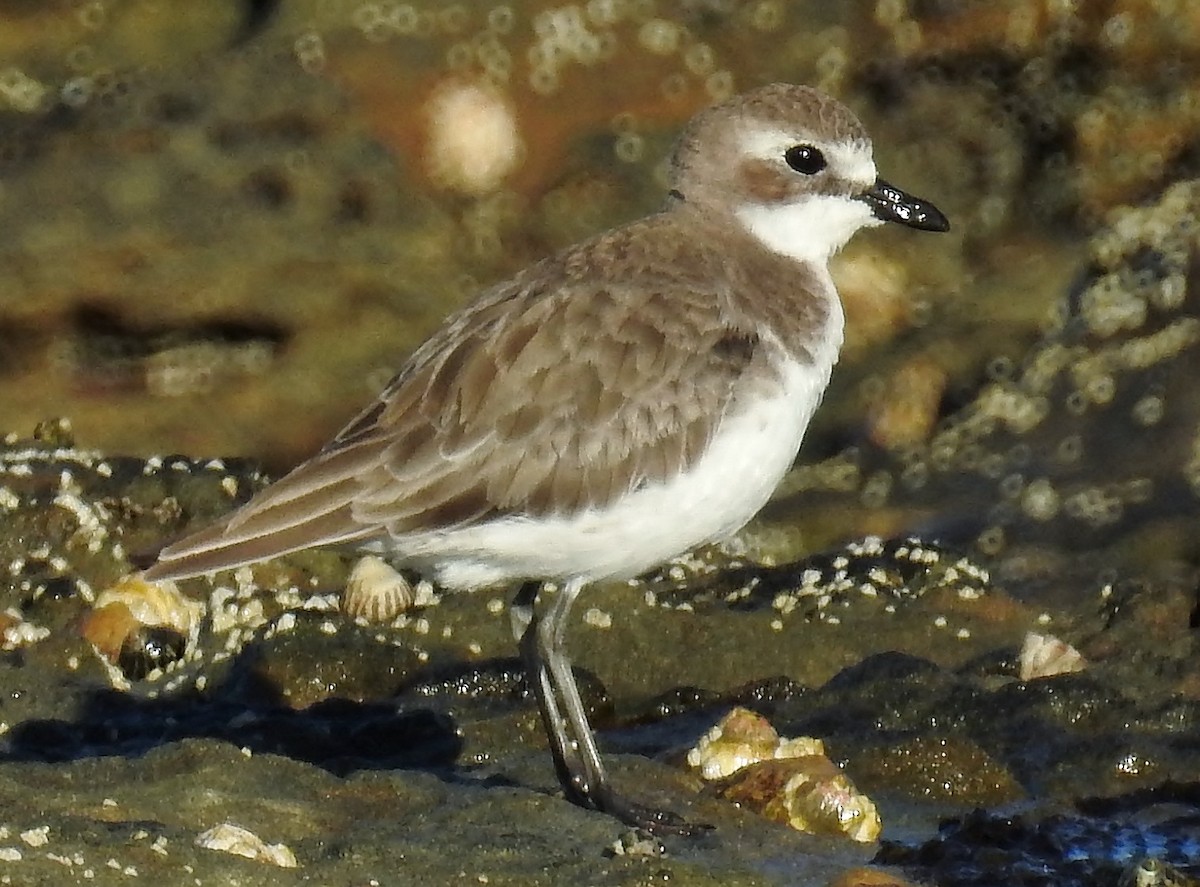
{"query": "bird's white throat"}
(813, 226)
(810, 229)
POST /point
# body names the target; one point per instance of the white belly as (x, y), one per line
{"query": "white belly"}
(752, 449)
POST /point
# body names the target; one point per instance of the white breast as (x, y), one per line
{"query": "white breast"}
(752, 449)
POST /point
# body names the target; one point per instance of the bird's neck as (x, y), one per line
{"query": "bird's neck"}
(791, 294)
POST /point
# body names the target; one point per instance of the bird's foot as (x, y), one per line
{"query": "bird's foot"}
(657, 822)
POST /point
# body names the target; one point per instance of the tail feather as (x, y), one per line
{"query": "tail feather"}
(210, 549)
(310, 507)
(331, 475)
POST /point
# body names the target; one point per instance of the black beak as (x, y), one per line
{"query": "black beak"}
(891, 204)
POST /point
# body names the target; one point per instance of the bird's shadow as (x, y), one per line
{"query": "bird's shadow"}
(341, 736)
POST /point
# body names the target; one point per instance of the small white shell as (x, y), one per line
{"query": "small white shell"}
(230, 838)
(1044, 655)
(16, 632)
(376, 592)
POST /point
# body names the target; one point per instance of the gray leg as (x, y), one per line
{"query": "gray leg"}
(576, 758)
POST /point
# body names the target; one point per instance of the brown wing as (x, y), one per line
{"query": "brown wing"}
(534, 400)
(586, 396)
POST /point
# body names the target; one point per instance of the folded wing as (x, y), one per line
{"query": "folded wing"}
(535, 400)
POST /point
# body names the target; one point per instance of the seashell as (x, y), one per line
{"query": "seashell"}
(376, 591)
(810, 794)
(230, 838)
(788, 780)
(122, 612)
(638, 842)
(1044, 656)
(741, 738)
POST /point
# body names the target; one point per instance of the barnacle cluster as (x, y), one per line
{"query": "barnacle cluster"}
(1089, 430)
(884, 572)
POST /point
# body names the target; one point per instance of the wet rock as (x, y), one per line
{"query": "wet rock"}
(320, 657)
(147, 650)
(1066, 849)
(935, 768)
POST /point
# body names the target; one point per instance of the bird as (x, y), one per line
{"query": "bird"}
(608, 408)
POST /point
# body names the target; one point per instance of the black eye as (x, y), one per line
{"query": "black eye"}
(805, 159)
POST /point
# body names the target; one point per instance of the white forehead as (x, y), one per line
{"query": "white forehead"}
(848, 159)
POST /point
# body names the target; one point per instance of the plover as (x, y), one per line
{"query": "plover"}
(608, 408)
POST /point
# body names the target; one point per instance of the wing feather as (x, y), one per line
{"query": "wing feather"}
(547, 396)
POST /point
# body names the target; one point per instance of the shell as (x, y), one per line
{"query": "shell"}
(744, 737)
(788, 780)
(1044, 656)
(122, 611)
(376, 592)
(230, 838)
(810, 794)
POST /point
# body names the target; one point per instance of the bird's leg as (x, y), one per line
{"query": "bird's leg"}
(572, 744)
(588, 784)
(525, 625)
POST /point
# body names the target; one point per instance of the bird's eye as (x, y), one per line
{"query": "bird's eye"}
(805, 159)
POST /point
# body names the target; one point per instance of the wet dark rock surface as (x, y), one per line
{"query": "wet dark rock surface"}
(334, 738)
(1152, 840)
